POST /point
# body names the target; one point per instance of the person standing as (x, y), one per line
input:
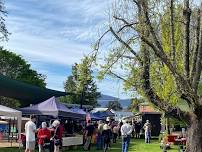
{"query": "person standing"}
(88, 135)
(115, 133)
(137, 129)
(30, 130)
(147, 128)
(106, 133)
(43, 136)
(57, 136)
(120, 125)
(126, 130)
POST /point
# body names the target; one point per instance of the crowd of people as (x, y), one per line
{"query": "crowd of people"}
(48, 139)
(101, 133)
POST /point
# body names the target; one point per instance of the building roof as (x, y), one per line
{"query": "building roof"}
(101, 110)
(123, 113)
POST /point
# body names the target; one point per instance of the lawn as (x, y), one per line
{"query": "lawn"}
(135, 146)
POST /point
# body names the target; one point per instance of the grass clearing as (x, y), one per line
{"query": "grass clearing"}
(135, 146)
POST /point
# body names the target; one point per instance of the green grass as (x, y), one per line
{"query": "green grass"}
(135, 146)
(154, 146)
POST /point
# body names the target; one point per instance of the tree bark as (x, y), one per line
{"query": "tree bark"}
(195, 54)
(198, 71)
(194, 136)
(187, 17)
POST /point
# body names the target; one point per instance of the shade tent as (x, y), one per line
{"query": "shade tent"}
(93, 117)
(80, 112)
(26, 93)
(51, 107)
(102, 115)
(6, 111)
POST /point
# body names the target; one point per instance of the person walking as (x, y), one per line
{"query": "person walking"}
(106, 133)
(147, 128)
(126, 130)
(88, 135)
(30, 130)
(43, 136)
(99, 142)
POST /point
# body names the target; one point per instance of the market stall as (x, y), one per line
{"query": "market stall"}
(50, 107)
(6, 111)
(80, 112)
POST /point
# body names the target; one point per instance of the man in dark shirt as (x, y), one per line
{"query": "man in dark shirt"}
(88, 135)
(137, 129)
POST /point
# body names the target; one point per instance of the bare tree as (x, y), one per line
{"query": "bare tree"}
(141, 22)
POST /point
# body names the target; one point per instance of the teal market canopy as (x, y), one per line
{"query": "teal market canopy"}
(26, 93)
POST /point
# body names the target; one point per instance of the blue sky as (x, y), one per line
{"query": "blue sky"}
(54, 34)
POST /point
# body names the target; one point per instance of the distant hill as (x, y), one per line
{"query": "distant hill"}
(125, 103)
(104, 99)
(107, 97)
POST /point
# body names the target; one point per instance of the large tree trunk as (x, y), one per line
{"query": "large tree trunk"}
(194, 139)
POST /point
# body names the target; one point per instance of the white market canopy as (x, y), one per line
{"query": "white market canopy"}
(6, 111)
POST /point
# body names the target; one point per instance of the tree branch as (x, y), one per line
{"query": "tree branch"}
(126, 45)
(97, 46)
(187, 16)
(195, 54)
(119, 77)
(172, 24)
(149, 25)
(99, 40)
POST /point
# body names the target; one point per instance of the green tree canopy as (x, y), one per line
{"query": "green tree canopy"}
(15, 67)
(81, 83)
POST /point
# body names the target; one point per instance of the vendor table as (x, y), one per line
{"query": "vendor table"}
(72, 141)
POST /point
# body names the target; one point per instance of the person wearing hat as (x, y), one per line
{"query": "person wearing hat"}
(147, 128)
(99, 142)
(126, 131)
(106, 136)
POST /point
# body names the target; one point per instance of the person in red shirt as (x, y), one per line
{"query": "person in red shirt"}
(61, 128)
(43, 136)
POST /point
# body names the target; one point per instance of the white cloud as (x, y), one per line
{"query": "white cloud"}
(56, 32)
